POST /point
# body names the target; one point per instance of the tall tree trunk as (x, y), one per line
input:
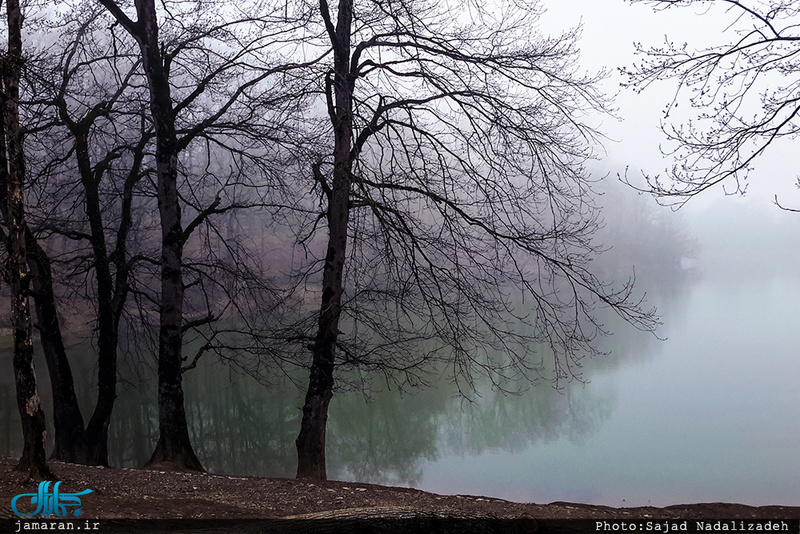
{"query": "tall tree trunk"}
(69, 442)
(174, 448)
(173, 445)
(33, 460)
(97, 430)
(311, 440)
(70, 439)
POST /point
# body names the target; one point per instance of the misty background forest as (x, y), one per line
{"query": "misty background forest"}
(448, 245)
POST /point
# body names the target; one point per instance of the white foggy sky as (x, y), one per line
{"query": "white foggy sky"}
(610, 27)
(738, 236)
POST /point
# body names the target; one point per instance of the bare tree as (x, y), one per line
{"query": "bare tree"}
(78, 96)
(458, 213)
(12, 176)
(81, 105)
(198, 91)
(174, 446)
(744, 94)
(69, 439)
(87, 118)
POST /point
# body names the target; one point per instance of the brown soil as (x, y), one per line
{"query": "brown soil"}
(151, 494)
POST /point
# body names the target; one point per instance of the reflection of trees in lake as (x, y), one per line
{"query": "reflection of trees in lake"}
(242, 427)
(513, 422)
(385, 440)
(133, 430)
(238, 426)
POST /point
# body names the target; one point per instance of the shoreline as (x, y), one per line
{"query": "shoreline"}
(124, 494)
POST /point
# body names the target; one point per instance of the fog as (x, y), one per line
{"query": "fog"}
(739, 235)
(705, 410)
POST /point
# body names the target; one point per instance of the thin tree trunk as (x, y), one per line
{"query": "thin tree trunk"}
(33, 460)
(311, 439)
(73, 443)
(97, 430)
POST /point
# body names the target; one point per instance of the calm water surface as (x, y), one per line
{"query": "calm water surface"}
(711, 414)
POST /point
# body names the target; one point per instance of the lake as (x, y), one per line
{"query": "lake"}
(710, 414)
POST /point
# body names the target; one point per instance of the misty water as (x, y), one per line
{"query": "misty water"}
(710, 414)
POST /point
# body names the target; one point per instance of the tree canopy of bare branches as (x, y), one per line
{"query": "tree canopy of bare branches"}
(459, 215)
(217, 90)
(415, 170)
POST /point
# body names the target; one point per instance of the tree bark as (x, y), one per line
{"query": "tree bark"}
(97, 429)
(174, 449)
(70, 438)
(69, 441)
(33, 460)
(311, 439)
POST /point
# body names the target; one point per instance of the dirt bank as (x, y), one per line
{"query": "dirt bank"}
(148, 494)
